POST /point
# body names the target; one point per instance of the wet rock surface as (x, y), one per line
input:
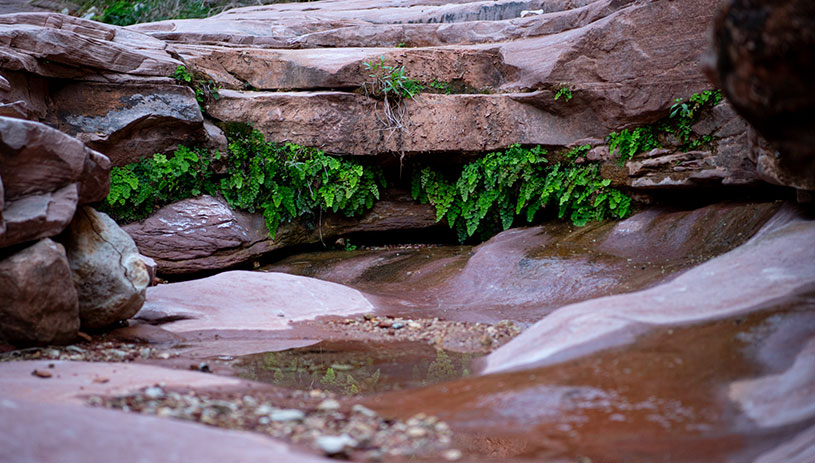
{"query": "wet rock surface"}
(525, 273)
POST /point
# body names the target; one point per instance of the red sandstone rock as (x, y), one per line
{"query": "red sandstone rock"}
(45, 174)
(39, 302)
(762, 59)
(204, 233)
(774, 264)
(241, 300)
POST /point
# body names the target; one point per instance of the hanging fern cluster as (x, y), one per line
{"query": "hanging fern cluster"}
(492, 192)
(284, 181)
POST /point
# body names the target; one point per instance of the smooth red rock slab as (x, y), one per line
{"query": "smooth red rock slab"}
(783, 398)
(660, 398)
(51, 433)
(241, 300)
(71, 381)
(775, 263)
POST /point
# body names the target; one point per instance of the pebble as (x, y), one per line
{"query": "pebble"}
(363, 410)
(287, 415)
(154, 392)
(41, 373)
(416, 431)
(263, 410)
(333, 445)
(328, 405)
(164, 355)
(451, 454)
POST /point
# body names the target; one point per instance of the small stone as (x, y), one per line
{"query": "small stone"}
(280, 313)
(416, 432)
(398, 326)
(144, 352)
(334, 445)
(328, 405)
(75, 349)
(84, 336)
(154, 393)
(369, 316)
(41, 373)
(264, 420)
(287, 415)
(118, 353)
(365, 411)
(451, 454)
(164, 355)
(385, 324)
(263, 410)
(441, 426)
(414, 325)
(100, 380)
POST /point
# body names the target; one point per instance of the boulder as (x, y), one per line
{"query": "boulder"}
(45, 174)
(107, 269)
(39, 300)
(762, 59)
(206, 234)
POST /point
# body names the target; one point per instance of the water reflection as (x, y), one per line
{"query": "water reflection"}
(356, 367)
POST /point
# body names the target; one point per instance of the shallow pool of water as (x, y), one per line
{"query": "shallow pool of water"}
(356, 367)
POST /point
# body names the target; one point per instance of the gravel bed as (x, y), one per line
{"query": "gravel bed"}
(314, 419)
(450, 335)
(92, 351)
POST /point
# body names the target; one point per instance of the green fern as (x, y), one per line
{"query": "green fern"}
(492, 192)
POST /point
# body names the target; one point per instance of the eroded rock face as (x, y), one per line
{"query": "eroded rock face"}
(763, 62)
(39, 302)
(45, 174)
(108, 272)
(729, 160)
(107, 85)
(206, 234)
(611, 68)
